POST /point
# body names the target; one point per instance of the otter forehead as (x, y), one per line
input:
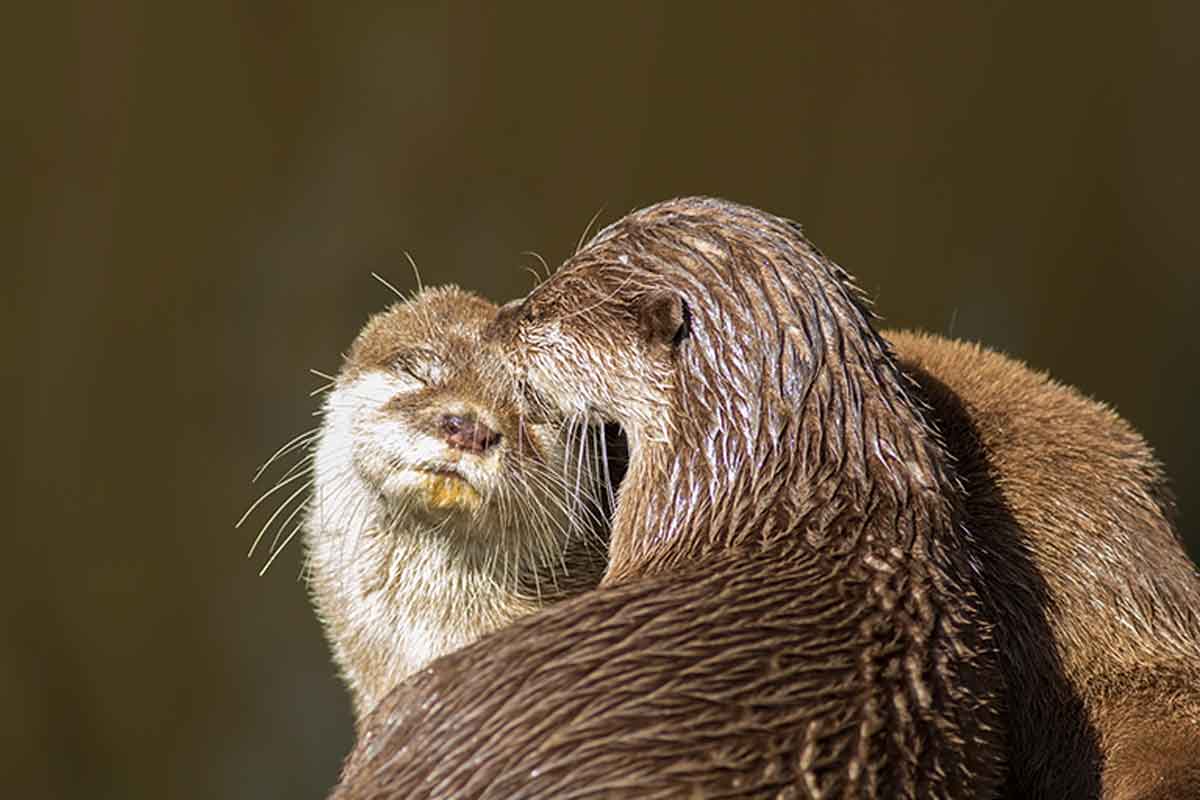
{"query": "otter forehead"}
(445, 322)
(715, 253)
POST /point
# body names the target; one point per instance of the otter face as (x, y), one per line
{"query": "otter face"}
(438, 512)
(594, 341)
(422, 414)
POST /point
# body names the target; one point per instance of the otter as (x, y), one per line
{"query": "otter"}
(1096, 601)
(1099, 638)
(438, 513)
(790, 605)
(1065, 478)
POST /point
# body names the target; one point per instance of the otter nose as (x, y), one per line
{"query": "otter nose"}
(467, 433)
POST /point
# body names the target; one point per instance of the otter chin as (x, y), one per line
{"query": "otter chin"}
(438, 513)
(446, 491)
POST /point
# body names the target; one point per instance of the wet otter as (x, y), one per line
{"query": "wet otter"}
(1097, 604)
(437, 513)
(789, 606)
(1050, 472)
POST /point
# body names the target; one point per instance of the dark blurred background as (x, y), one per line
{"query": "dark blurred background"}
(198, 194)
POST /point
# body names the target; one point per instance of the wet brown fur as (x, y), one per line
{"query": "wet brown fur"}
(1101, 641)
(790, 606)
(1095, 599)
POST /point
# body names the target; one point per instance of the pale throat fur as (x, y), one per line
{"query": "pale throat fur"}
(438, 512)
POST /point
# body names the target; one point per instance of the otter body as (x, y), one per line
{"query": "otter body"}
(1096, 602)
(437, 514)
(788, 608)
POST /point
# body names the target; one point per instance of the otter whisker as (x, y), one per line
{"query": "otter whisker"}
(304, 463)
(416, 272)
(324, 375)
(264, 496)
(286, 522)
(276, 553)
(608, 481)
(551, 485)
(583, 428)
(591, 223)
(296, 441)
(536, 277)
(541, 260)
(393, 289)
(304, 487)
(536, 493)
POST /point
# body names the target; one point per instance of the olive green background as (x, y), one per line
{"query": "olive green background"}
(195, 195)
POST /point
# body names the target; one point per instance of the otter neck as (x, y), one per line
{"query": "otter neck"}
(852, 469)
(397, 591)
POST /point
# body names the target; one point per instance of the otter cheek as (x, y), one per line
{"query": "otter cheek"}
(552, 385)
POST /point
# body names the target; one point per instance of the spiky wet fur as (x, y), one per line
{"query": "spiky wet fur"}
(790, 607)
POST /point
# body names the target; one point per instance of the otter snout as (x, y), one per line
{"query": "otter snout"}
(466, 432)
(504, 326)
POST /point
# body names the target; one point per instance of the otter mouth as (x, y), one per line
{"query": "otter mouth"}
(436, 487)
(443, 472)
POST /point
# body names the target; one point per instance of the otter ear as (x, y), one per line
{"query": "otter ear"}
(663, 317)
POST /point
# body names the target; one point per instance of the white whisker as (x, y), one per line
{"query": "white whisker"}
(383, 280)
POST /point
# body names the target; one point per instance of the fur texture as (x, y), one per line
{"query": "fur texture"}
(789, 608)
(420, 539)
(1097, 603)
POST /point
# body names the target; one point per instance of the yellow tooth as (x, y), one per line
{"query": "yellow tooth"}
(447, 491)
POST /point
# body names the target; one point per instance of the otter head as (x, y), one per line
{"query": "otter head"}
(438, 512)
(430, 426)
(596, 344)
(741, 365)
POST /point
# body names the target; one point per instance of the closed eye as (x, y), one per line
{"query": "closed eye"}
(423, 366)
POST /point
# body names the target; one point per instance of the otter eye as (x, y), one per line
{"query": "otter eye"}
(422, 366)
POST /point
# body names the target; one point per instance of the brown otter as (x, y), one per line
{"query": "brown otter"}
(437, 514)
(1052, 473)
(789, 606)
(1106, 688)
(1097, 604)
